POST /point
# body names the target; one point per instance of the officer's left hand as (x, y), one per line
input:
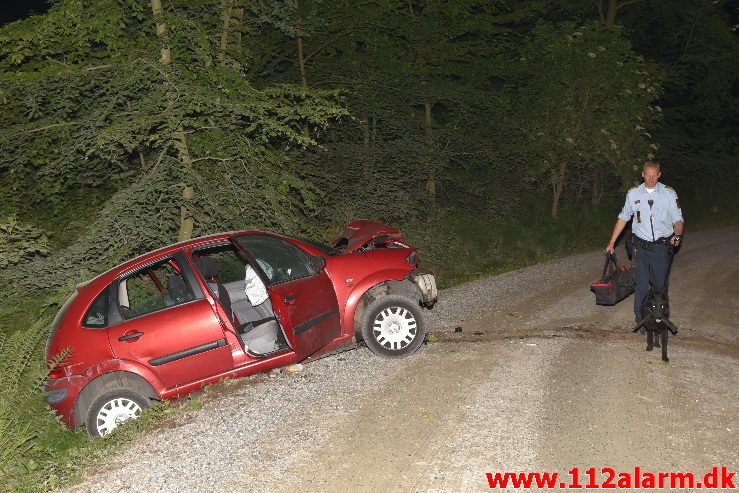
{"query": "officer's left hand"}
(675, 240)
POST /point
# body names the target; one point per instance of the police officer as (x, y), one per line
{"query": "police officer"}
(657, 228)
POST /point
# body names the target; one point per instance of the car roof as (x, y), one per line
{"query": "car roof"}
(169, 249)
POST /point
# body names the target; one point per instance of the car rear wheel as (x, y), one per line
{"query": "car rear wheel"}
(393, 326)
(113, 407)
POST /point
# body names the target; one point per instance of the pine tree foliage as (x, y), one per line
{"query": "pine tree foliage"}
(92, 106)
(421, 86)
(20, 242)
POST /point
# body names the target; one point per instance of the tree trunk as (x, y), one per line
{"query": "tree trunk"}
(365, 132)
(559, 187)
(186, 221)
(301, 62)
(226, 8)
(303, 77)
(141, 154)
(230, 40)
(183, 153)
(608, 15)
(611, 15)
(237, 19)
(366, 139)
(161, 30)
(597, 187)
(431, 180)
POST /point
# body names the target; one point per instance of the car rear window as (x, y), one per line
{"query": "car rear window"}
(97, 315)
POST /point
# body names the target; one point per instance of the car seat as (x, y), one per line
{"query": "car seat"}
(177, 291)
(208, 269)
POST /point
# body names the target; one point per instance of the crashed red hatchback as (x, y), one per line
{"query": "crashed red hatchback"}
(229, 305)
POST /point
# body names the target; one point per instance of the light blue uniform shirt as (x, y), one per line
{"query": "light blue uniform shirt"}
(664, 211)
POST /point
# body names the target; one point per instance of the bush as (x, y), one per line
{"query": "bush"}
(20, 242)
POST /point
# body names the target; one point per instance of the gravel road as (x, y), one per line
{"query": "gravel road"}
(538, 378)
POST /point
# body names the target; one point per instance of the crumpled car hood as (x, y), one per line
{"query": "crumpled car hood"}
(357, 233)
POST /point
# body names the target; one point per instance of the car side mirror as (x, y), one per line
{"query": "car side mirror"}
(317, 263)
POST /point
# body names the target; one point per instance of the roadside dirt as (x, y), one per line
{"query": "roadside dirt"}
(548, 381)
(528, 374)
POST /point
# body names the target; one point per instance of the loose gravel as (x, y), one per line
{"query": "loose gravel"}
(245, 438)
(265, 433)
(475, 302)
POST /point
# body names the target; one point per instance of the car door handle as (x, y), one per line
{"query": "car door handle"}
(129, 336)
(290, 298)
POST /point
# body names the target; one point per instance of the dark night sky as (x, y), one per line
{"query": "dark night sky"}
(12, 10)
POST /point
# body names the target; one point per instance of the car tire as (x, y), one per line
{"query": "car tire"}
(113, 407)
(393, 326)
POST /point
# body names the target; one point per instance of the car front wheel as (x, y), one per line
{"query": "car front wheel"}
(393, 326)
(113, 407)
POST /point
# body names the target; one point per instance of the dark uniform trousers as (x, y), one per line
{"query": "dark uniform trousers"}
(652, 268)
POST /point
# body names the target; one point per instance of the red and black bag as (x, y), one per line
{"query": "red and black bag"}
(616, 283)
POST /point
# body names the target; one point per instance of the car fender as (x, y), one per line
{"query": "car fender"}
(130, 366)
(360, 288)
(128, 373)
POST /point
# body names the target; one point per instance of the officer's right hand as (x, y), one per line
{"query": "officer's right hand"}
(610, 249)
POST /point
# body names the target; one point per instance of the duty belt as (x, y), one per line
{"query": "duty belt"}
(665, 240)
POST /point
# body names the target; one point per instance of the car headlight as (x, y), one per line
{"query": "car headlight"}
(413, 259)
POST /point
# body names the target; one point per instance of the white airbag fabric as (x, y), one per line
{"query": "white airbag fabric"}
(254, 287)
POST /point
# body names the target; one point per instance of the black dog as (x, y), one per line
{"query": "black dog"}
(655, 318)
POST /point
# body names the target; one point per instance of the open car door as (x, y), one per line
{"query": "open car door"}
(302, 297)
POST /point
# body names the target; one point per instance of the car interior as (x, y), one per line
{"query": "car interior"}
(146, 292)
(223, 269)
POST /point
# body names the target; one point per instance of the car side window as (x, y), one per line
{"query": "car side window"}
(153, 288)
(97, 315)
(279, 260)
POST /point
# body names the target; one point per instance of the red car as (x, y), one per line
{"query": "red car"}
(229, 305)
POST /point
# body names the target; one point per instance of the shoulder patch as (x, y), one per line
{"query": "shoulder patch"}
(668, 187)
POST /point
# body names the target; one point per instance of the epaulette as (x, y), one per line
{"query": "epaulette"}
(668, 187)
